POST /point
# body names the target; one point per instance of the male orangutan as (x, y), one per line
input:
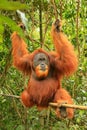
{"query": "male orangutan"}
(46, 71)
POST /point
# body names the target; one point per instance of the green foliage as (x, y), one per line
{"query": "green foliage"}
(1, 33)
(11, 24)
(13, 116)
(4, 20)
(10, 5)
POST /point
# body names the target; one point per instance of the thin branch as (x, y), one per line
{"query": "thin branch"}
(40, 23)
(45, 30)
(77, 25)
(55, 9)
(8, 64)
(31, 39)
(69, 106)
(61, 6)
(7, 95)
(15, 106)
(53, 104)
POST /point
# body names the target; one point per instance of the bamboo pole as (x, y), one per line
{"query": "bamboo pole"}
(54, 104)
(69, 106)
(8, 95)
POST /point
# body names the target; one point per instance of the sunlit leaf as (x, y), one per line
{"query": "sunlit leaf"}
(13, 26)
(10, 5)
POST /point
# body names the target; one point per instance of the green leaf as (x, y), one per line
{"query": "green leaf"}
(13, 26)
(10, 5)
(20, 127)
(1, 33)
(1, 38)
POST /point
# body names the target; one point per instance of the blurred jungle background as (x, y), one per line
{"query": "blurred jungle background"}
(37, 16)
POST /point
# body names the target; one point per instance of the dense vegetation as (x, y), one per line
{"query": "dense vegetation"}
(40, 15)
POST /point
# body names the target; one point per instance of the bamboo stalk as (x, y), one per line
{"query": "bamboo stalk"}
(8, 95)
(53, 104)
(69, 106)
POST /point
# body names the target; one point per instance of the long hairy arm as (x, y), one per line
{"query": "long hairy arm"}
(66, 61)
(21, 56)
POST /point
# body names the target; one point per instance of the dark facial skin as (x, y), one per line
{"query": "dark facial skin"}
(42, 60)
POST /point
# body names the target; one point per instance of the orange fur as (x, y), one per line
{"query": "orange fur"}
(26, 99)
(67, 61)
(41, 73)
(63, 96)
(63, 61)
(21, 56)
